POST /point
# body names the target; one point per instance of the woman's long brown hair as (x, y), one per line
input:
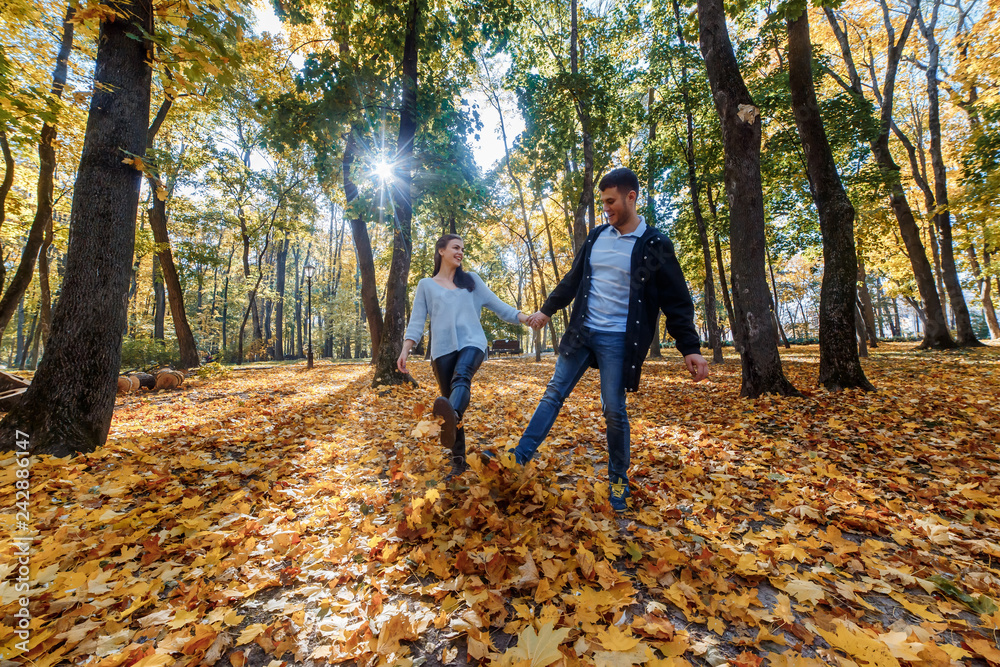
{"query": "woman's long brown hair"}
(462, 279)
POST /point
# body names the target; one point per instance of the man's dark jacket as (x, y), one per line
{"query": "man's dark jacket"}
(656, 283)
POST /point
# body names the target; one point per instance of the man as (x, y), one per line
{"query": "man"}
(622, 275)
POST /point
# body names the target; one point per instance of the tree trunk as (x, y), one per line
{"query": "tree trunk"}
(723, 284)
(175, 294)
(225, 298)
(279, 311)
(965, 335)
(867, 307)
(245, 235)
(45, 293)
(936, 334)
(859, 324)
(839, 366)
(391, 341)
(711, 317)
(761, 365)
(46, 172)
(159, 300)
(780, 337)
(68, 406)
(533, 262)
(363, 253)
(5, 186)
(586, 203)
(555, 267)
(26, 350)
(654, 345)
(985, 288)
(19, 341)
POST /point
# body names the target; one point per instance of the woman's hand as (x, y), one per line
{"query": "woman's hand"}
(401, 362)
(522, 318)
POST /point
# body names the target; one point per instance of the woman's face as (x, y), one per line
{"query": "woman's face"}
(451, 254)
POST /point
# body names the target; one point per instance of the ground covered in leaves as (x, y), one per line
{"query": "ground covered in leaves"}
(283, 516)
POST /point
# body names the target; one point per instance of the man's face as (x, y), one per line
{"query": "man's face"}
(619, 208)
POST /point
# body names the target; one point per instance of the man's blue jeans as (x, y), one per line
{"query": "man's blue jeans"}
(608, 348)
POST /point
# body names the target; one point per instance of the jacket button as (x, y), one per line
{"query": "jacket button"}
(636, 344)
(633, 367)
(637, 321)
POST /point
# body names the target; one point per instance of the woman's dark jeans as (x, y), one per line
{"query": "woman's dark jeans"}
(454, 372)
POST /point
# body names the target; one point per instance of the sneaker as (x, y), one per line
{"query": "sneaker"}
(488, 455)
(618, 493)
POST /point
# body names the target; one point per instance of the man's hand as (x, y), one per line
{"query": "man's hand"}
(697, 367)
(538, 320)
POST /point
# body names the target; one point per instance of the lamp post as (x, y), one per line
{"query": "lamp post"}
(309, 270)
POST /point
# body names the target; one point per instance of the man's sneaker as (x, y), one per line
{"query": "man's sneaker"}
(488, 455)
(618, 494)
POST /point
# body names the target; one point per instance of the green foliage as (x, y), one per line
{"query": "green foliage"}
(142, 353)
(211, 371)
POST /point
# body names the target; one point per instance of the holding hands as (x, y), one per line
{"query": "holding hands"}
(536, 320)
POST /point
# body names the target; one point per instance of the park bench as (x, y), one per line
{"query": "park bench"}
(502, 346)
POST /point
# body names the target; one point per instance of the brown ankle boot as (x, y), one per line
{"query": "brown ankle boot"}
(442, 408)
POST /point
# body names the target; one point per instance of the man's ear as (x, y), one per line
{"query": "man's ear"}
(632, 196)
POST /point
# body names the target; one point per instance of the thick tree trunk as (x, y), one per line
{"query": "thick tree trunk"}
(279, 310)
(839, 366)
(936, 334)
(46, 173)
(364, 255)
(68, 406)
(391, 341)
(762, 372)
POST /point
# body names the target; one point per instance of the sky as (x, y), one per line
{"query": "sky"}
(487, 150)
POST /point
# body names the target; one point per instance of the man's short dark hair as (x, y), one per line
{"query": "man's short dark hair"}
(622, 178)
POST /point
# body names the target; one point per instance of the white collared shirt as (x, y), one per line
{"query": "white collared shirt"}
(610, 278)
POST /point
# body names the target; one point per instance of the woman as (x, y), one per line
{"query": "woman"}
(454, 300)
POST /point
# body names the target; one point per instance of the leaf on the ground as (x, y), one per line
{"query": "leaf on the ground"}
(983, 648)
(613, 638)
(861, 647)
(637, 655)
(539, 649)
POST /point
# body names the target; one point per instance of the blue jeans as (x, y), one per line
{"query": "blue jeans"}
(608, 348)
